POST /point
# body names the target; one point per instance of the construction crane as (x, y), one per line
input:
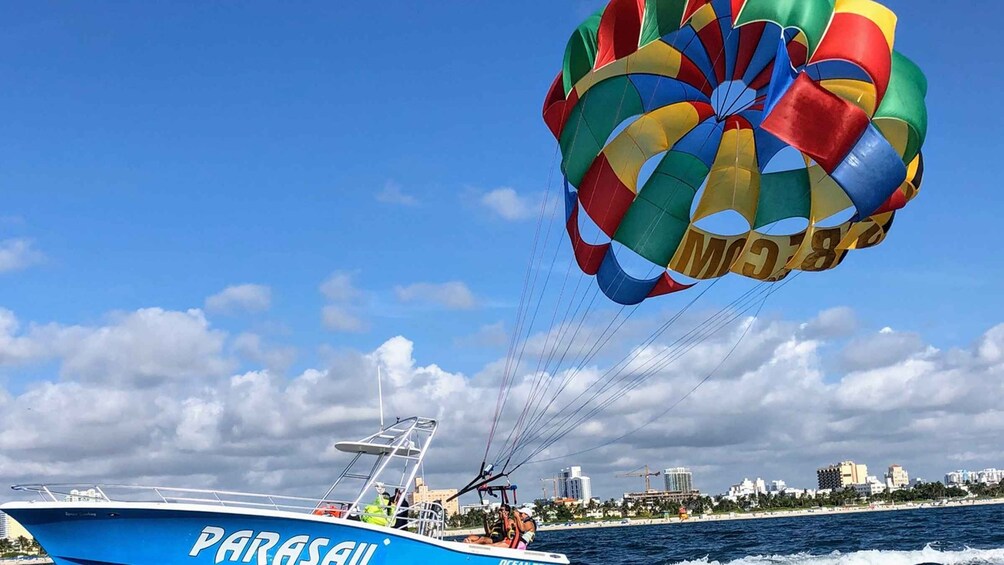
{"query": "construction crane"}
(646, 474)
(554, 481)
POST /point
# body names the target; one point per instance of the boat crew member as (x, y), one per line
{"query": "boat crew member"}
(378, 512)
(401, 507)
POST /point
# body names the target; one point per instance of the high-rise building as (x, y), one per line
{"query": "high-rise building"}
(679, 479)
(580, 488)
(897, 477)
(573, 484)
(566, 475)
(841, 475)
(423, 493)
(16, 530)
(3, 525)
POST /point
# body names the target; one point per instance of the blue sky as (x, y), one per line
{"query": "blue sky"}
(155, 154)
(201, 146)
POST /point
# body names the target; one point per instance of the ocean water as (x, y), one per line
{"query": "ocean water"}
(949, 536)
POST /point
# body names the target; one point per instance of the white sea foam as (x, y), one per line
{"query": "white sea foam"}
(875, 557)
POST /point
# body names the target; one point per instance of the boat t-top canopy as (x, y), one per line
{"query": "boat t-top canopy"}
(375, 449)
(398, 449)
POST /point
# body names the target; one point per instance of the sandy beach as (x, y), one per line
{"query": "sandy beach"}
(826, 511)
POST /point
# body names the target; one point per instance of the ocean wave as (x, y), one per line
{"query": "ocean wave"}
(926, 556)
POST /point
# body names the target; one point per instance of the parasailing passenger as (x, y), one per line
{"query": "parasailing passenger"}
(514, 529)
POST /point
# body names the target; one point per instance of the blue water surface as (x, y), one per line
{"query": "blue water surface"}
(953, 536)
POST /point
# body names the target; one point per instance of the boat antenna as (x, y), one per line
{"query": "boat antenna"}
(380, 394)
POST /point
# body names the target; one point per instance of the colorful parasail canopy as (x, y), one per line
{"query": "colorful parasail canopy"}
(710, 92)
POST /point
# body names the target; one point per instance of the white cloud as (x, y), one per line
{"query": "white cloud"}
(342, 312)
(339, 287)
(198, 425)
(834, 322)
(63, 421)
(144, 348)
(252, 347)
(255, 429)
(991, 346)
(453, 295)
(491, 335)
(771, 410)
(509, 205)
(882, 349)
(15, 349)
(18, 254)
(339, 319)
(393, 194)
(241, 298)
(397, 357)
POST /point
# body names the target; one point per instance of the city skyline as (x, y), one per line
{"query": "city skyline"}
(894, 476)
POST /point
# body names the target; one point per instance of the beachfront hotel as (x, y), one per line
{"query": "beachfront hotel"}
(422, 493)
(747, 488)
(897, 477)
(870, 487)
(843, 474)
(11, 529)
(986, 477)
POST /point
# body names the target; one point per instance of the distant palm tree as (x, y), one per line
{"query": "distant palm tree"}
(23, 543)
(6, 546)
(37, 548)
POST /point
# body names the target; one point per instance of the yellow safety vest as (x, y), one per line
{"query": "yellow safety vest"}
(376, 513)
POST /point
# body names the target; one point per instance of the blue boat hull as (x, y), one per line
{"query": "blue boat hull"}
(177, 534)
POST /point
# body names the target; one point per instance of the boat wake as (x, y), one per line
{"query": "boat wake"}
(926, 556)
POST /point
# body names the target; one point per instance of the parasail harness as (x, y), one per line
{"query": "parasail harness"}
(482, 483)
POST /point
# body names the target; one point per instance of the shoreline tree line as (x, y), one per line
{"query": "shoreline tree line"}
(699, 505)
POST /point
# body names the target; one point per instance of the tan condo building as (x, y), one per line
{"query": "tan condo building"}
(423, 493)
(841, 475)
(897, 477)
(14, 529)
